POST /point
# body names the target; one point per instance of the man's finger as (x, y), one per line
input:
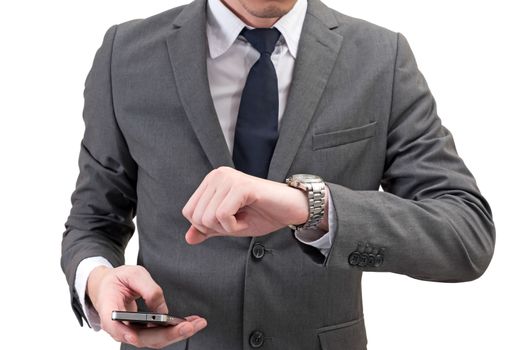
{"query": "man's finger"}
(209, 216)
(201, 205)
(194, 236)
(189, 208)
(118, 330)
(159, 337)
(139, 280)
(230, 210)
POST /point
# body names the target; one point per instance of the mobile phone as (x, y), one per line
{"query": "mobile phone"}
(146, 318)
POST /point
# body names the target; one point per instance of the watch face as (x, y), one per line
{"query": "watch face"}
(306, 178)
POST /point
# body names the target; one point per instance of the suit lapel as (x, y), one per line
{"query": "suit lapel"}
(318, 49)
(317, 53)
(187, 47)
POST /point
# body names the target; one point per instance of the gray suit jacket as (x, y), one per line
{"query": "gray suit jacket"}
(359, 114)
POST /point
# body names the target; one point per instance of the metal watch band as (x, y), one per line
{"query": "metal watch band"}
(316, 194)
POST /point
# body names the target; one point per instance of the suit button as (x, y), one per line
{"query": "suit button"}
(258, 251)
(353, 259)
(256, 339)
(363, 260)
(371, 260)
(378, 260)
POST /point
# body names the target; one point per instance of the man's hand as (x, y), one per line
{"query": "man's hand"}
(231, 203)
(112, 289)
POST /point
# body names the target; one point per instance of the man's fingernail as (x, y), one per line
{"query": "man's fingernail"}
(201, 324)
(127, 338)
(185, 330)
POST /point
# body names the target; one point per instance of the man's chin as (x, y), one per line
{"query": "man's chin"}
(268, 12)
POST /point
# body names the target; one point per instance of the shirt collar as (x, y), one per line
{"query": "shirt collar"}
(223, 27)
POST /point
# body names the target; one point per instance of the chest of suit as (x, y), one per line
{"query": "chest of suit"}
(334, 126)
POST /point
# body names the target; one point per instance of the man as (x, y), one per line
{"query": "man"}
(193, 122)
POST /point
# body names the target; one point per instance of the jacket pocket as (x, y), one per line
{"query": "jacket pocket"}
(343, 336)
(341, 137)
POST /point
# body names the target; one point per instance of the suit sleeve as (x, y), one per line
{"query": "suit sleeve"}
(104, 201)
(431, 222)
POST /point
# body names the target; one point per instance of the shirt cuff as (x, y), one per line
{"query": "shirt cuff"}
(316, 238)
(83, 270)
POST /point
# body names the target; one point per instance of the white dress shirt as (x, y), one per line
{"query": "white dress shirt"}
(229, 60)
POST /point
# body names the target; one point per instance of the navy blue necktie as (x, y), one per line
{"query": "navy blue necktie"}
(256, 131)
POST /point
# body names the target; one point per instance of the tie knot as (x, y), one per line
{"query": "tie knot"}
(262, 39)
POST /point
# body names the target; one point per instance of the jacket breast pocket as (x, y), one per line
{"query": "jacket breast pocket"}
(343, 336)
(341, 137)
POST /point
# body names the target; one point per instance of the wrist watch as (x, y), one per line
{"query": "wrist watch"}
(315, 190)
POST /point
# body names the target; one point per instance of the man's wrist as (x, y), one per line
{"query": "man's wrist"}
(323, 224)
(93, 280)
(314, 191)
(84, 269)
(301, 197)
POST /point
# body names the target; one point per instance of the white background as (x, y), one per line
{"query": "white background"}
(472, 54)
